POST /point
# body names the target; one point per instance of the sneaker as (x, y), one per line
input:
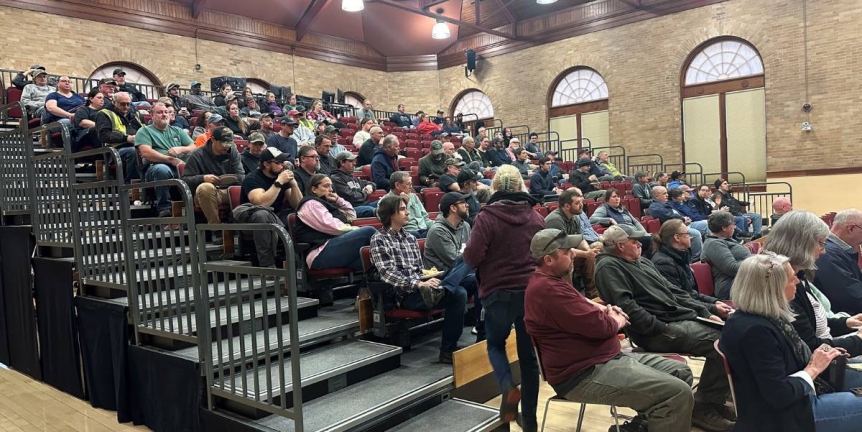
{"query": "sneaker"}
(165, 213)
(509, 406)
(474, 331)
(217, 238)
(445, 357)
(432, 296)
(637, 424)
(706, 417)
(527, 426)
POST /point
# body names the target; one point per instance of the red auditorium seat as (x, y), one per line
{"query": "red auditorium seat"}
(591, 207)
(634, 206)
(376, 195)
(406, 162)
(432, 199)
(366, 169)
(413, 153)
(599, 229)
(351, 119)
(652, 226)
(367, 222)
(541, 210)
(411, 143)
(316, 274)
(347, 133)
(703, 276)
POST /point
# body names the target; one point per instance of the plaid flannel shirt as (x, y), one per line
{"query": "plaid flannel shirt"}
(396, 256)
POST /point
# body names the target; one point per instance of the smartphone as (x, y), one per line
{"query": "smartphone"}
(857, 391)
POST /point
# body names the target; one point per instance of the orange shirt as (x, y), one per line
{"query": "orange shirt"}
(202, 139)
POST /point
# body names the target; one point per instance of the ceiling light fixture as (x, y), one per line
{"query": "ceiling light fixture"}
(440, 30)
(353, 5)
(546, 1)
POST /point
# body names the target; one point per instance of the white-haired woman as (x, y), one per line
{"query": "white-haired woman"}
(778, 378)
(801, 236)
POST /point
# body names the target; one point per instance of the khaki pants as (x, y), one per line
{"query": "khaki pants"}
(586, 269)
(208, 197)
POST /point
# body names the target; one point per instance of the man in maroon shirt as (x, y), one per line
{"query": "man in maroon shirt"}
(579, 350)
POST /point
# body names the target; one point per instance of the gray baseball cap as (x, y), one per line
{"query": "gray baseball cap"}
(546, 241)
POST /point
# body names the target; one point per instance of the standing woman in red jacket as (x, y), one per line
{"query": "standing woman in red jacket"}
(499, 249)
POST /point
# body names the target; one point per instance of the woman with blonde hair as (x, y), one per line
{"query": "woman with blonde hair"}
(234, 121)
(801, 236)
(499, 250)
(779, 381)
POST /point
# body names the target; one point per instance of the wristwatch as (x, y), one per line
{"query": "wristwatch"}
(277, 184)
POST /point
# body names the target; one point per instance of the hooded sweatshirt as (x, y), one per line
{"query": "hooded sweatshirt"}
(644, 294)
(443, 243)
(382, 167)
(499, 245)
(202, 162)
(250, 162)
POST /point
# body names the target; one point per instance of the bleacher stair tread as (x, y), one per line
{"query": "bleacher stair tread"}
(315, 366)
(230, 314)
(453, 415)
(364, 401)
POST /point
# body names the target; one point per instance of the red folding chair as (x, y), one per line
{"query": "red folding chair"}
(703, 277)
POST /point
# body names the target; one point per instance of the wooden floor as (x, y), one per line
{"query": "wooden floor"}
(29, 405)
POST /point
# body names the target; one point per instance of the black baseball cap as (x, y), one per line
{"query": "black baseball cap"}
(119, 71)
(452, 198)
(274, 154)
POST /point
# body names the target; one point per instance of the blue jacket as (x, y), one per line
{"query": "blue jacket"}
(541, 183)
(664, 211)
(498, 157)
(839, 278)
(382, 166)
(687, 210)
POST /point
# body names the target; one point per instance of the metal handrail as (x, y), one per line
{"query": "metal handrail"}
(762, 201)
(694, 176)
(616, 156)
(50, 193)
(287, 274)
(15, 167)
(653, 165)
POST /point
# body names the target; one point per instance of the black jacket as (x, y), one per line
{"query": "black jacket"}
(581, 180)
(700, 205)
(133, 91)
(202, 162)
(366, 153)
(762, 361)
(673, 265)
(805, 323)
(734, 205)
(110, 137)
(350, 187)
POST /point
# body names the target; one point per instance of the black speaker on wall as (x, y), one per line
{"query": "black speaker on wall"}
(236, 83)
(471, 62)
(280, 92)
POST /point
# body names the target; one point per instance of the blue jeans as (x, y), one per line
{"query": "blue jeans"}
(130, 164)
(454, 303)
(696, 243)
(419, 234)
(756, 221)
(367, 210)
(841, 411)
(502, 309)
(158, 172)
(700, 226)
(741, 223)
(343, 251)
(462, 275)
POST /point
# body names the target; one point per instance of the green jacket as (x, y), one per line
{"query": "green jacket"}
(644, 294)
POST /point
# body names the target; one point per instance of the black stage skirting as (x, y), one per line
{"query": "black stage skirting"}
(16, 245)
(58, 329)
(105, 333)
(167, 391)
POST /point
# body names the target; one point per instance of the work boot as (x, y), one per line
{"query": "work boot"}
(708, 418)
(509, 405)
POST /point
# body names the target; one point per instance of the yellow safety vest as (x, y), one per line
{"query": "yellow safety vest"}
(115, 119)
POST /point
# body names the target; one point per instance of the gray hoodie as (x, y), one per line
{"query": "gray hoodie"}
(444, 242)
(202, 162)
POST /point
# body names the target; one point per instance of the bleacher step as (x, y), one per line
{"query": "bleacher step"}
(345, 362)
(370, 401)
(229, 318)
(453, 415)
(327, 325)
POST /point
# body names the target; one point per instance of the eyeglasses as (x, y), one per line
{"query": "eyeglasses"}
(686, 233)
(124, 103)
(822, 244)
(313, 157)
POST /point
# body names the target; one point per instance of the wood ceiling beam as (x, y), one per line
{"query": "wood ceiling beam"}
(444, 18)
(504, 9)
(198, 7)
(635, 4)
(308, 17)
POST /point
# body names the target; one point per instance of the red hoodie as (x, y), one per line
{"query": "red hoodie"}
(499, 245)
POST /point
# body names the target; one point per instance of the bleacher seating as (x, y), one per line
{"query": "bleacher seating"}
(703, 277)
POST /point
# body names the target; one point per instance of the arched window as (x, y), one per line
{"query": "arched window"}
(475, 102)
(723, 60)
(257, 86)
(724, 111)
(579, 86)
(353, 99)
(146, 81)
(578, 110)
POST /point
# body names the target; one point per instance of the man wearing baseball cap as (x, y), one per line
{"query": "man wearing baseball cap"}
(271, 185)
(736, 208)
(432, 165)
(34, 94)
(138, 98)
(301, 134)
(215, 120)
(664, 318)
(251, 156)
(353, 189)
(205, 171)
(578, 347)
(284, 140)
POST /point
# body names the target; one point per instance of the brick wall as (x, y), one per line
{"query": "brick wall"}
(640, 62)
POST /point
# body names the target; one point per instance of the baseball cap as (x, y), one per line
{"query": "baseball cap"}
(584, 150)
(719, 182)
(289, 121)
(274, 154)
(552, 152)
(345, 155)
(436, 147)
(195, 84)
(546, 241)
(685, 188)
(641, 174)
(39, 71)
(256, 137)
(119, 71)
(224, 135)
(293, 113)
(171, 85)
(215, 118)
(620, 233)
(107, 81)
(583, 162)
(453, 161)
(467, 174)
(330, 129)
(439, 111)
(452, 198)
(676, 174)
